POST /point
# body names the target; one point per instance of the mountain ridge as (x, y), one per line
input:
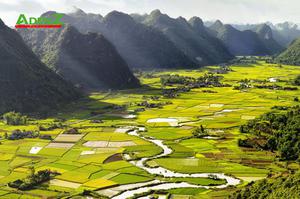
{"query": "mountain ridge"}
(194, 43)
(139, 45)
(26, 83)
(246, 42)
(87, 60)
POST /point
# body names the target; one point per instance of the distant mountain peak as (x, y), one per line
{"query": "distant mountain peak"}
(287, 25)
(2, 25)
(77, 12)
(118, 18)
(197, 21)
(264, 27)
(197, 24)
(115, 13)
(182, 20)
(264, 31)
(156, 12)
(218, 23)
(118, 15)
(48, 13)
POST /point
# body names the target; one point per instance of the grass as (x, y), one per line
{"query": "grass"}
(74, 176)
(99, 183)
(129, 178)
(200, 145)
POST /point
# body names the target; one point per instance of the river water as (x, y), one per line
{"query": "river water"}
(163, 172)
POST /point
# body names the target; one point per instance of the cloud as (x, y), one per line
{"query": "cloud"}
(241, 11)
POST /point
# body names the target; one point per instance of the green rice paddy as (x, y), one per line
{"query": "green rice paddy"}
(84, 167)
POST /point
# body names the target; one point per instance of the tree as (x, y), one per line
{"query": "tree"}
(13, 118)
(276, 131)
(33, 179)
(200, 132)
(297, 80)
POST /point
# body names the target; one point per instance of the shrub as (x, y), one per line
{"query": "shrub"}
(199, 132)
(32, 180)
(277, 130)
(18, 134)
(13, 118)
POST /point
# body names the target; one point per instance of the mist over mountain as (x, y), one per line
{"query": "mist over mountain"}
(247, 42)
(284, 33)
(189, 36)
(265, 33)
(139, 45)
(239, 42)
(291, 55)
(156, 40)
(87, 60)
(26, 83)
(148, 41)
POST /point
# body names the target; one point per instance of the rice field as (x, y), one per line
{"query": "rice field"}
(93, 160)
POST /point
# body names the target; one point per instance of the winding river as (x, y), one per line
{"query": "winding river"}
(139, 188)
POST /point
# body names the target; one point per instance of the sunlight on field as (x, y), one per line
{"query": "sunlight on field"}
(92, 158)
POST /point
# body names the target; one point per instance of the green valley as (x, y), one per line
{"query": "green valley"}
(140, 142)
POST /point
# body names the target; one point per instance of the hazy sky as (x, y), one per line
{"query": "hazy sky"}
(229, 11)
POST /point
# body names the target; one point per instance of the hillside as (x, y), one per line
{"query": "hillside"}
(239, 42)
(291, 55)
(87, 60)
(189, 36)
(26, 83)
(280, 187)
(139, 45)
(275, 131)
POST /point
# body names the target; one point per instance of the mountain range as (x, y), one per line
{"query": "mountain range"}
(94, 52)
(156, 40)
(246, 42)
(190, 36)
(284, 33)
(27, 84)
(88, 60)
(141, 46)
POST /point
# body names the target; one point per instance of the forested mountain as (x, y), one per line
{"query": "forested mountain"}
(139, 45)
(291, 55)
(271, 188)
(189, 36)
(26, 84)
(87, 60)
